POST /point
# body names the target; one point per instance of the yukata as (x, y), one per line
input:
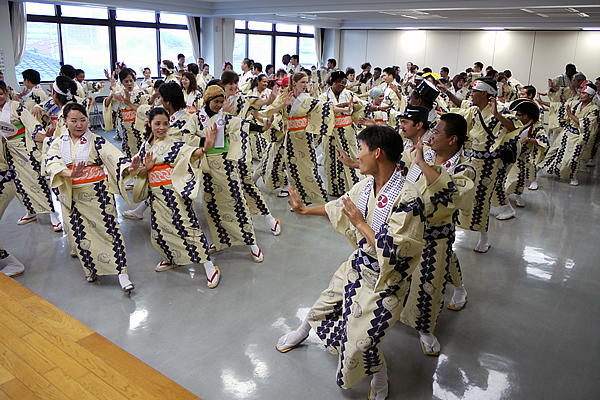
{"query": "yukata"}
(24, 158)
(562, 158)
(193, 101)
(483, 152)
(118, 113)
(452, 191)
(271, 167)
(366, 294)
(391, 98)
(7, 190)
(88, 205)
(170, 188)
(304, 119)
(37, 95)
(530, 154)
(225, 205)
(258, 142)
(341, 178)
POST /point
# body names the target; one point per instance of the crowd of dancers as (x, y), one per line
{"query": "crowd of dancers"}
(407, 159)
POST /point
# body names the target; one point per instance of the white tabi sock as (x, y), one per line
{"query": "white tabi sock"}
(519, 201)
(293, 338)
(533, 185)
(379, 385)
(459, 298)
(483, 244)
(209, 268)
(431, 343)
(271, 220)
(12, 266)
(54, 219)
(139, 211)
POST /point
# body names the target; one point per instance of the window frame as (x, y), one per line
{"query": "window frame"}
(112, 23)
(273, 33)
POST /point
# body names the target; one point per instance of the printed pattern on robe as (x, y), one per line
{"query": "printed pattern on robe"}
(7, 192)
(225, 205)
(525, 167)
(365, 295)
(300, 154)
(562, 158)
(484, 156)
(32, 188)
(132, 137)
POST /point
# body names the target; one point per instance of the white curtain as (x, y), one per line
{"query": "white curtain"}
(194, 36)
(319, 46)
(18, 26)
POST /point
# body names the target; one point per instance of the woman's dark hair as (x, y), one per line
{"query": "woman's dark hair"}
(146, 68)
(457, 78)
(193, 68)
(171, 92)
(228, 77)
(169, 65)
(65, 85)
(193, 87)
(158, 83)
(350, 70)
(125, 72)
(268, 67)
(3, 87)
(153, 113)
(384, 138)
(32, 76)
(226, 63)
(74, 107)
(256, 80)
(68, 71)
(365, 65)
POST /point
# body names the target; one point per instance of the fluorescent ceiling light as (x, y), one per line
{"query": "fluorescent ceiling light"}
(591, 29)
(492, 29)
(583, 15)
(543, 15)
(407, 28)
(527, 11)
(573, 10)
(409, 16)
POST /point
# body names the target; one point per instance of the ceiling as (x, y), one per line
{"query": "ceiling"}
(386, 14)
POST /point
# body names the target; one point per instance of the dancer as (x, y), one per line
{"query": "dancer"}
(23, 156)
(169, 180)
(383, 217)
(75, 163)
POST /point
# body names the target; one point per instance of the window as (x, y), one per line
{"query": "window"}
(239, 52)
(84, 12)
(42, 51)
(40, 9)
(135, 15)
(259, 49)
(267, 43)
(86, 47)
(136, 47)
(81, 36)
(174, 42)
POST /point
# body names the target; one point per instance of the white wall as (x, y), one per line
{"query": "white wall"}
(532, 56)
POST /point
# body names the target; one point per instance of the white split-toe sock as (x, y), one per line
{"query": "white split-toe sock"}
(273, 224)
(257, 253)
(379, 385)
(519, 201)
(459, 298)
(429, 344)
(12, 266)
(533, 185)
(125, 283)
(506, 212)
(483, 245)
(292, 339)
(138, 213)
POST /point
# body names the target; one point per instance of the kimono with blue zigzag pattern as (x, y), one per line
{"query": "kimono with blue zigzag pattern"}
(366, 294)
(176, 232)
(89, 210)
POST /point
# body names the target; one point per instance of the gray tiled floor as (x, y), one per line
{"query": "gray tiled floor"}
(529, 331)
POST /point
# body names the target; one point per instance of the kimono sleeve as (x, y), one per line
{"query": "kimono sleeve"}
(110, 115)
(31, 124)
(399, 243)
(186, 173)
(449, 192)
(588, 124)
(339, 220)
(115, 163)
(53, 165)
(321, 119)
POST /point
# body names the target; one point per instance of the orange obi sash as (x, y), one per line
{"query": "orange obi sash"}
(191, 109)
(160, 175)
(91, 174)
(380, 122)
(342, 121)
(128, 115)
(297, 123)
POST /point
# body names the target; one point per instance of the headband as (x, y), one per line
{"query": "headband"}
(164, 66)
(68, 95)
(481, 86)
(589, 90)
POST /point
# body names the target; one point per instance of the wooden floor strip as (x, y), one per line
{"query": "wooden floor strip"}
(45, 353)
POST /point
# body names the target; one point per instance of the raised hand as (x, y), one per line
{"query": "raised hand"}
(367, 121)
(78, 169)
(135, 164)
(352, 212)
(289, 99)
(149, 161)
(268, 123)
(295, 201)
(209, 141)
